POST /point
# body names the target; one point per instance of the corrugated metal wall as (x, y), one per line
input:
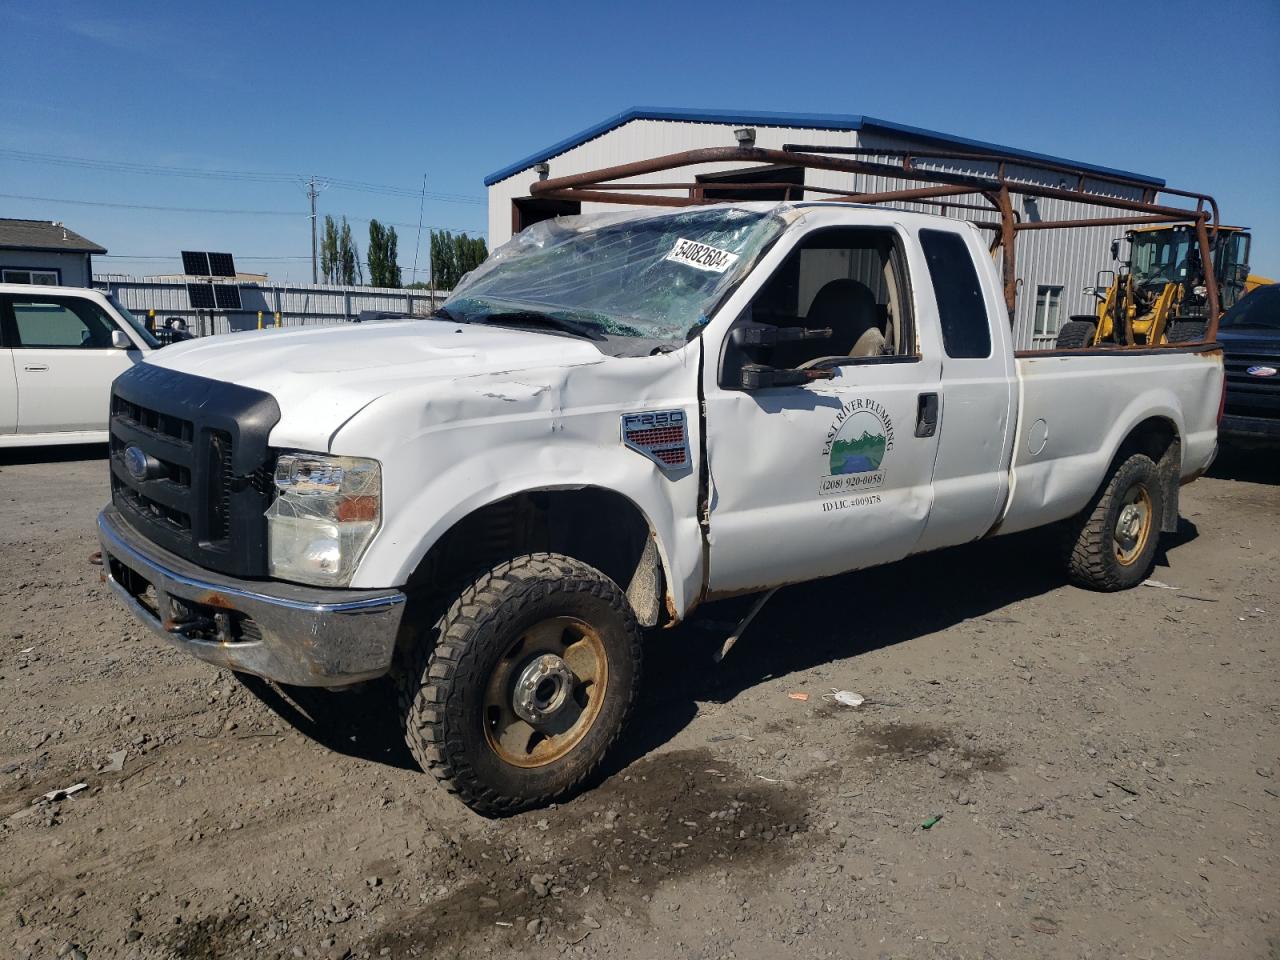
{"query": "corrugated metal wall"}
(1069, 258)
(297, 304)
(634, 141)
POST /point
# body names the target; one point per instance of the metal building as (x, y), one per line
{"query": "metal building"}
(1053, 266)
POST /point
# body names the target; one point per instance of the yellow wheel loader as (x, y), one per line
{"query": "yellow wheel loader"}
(1158, 294)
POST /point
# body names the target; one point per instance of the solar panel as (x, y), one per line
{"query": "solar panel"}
(195, 263)
(201, 296)
(221, 265)
(227, 296)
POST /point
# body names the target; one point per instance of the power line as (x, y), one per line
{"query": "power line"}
(129, 166)
(218, 210)
(146, 206)
(239, 256)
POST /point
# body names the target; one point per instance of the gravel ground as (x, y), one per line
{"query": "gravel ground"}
(1103, 767)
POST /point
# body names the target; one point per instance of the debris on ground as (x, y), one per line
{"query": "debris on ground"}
(846, 697)
(54, 795)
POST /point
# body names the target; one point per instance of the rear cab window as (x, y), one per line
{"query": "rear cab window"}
(962, 311)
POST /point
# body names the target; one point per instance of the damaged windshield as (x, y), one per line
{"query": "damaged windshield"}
(653, 277)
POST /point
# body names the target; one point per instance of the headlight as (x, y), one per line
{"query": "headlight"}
(326, 511)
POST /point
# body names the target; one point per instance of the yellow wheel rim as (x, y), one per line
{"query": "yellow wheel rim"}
(545, 692)
(1133, 525)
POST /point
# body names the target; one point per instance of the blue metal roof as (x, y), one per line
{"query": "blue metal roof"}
(816, 121)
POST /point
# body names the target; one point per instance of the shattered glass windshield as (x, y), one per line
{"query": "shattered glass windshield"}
(649, 276)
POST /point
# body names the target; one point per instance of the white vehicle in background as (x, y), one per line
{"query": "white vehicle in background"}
(60, 348)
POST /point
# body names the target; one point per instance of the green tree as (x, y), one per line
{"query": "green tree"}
(339, 257)
(329, 250)
(384, 271)
(349, 256)
(453, 256)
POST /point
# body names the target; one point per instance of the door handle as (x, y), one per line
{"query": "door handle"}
(35, 367)
(926, 415)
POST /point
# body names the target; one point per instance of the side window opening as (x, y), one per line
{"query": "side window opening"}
(59, 324)
(850, 280)
(966, 333)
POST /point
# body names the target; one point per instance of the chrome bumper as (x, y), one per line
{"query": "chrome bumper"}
(305, 636)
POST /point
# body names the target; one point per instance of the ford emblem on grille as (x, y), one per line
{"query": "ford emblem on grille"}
(136, 462)
(1261, 371)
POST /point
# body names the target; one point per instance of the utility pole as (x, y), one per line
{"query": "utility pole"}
(311, 195)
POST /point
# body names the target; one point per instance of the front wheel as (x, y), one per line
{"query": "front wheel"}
(1111, 544)
(532, 677)
(1076, 334)
(1185, 331)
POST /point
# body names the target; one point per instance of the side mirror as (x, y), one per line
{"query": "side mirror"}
(763, 335)
(740, 368)
(120, 340)
(1115, 249)
(756, 376)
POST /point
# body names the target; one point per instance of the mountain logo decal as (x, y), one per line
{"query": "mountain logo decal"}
(856, 447)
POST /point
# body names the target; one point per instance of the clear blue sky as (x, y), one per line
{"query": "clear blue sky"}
(385, 93)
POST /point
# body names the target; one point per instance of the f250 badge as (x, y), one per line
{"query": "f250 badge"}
(661, 435)
(855, 448)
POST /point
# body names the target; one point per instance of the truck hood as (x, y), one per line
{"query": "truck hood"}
(323, 376)
(1249, 339)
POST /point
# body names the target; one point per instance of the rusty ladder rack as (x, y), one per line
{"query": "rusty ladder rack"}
(947, 190)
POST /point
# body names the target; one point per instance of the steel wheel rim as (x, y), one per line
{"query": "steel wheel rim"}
(520, 676)
(1133, 525)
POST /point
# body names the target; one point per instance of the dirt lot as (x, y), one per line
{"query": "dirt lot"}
(1104, 768)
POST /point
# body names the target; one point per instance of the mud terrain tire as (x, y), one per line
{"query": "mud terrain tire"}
(460, 699)
(1111, 544)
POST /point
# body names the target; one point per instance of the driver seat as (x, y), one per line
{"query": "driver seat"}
(849, 309)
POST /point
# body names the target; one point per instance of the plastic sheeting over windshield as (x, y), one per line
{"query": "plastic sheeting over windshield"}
(634, 274)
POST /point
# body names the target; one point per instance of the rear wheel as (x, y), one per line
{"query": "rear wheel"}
(1111, 544)
(1185, 331)
(1075, 334)
(533, 675)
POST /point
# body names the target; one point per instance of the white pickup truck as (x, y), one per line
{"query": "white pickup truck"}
(612, 420)
(60, 348)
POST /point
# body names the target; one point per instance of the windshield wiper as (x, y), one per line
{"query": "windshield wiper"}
(583, 330)
(444, 314)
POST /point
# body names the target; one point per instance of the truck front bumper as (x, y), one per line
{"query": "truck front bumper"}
(305, 636)
(1250, 428)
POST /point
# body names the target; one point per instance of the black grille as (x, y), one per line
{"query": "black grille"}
(220, 482)
(1250, 396)
(207, 482)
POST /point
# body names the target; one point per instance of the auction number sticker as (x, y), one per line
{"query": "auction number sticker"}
(694, 254)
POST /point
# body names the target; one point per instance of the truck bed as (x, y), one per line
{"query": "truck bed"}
(1075, 409)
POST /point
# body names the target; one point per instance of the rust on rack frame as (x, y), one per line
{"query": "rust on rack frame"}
(945, 189)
